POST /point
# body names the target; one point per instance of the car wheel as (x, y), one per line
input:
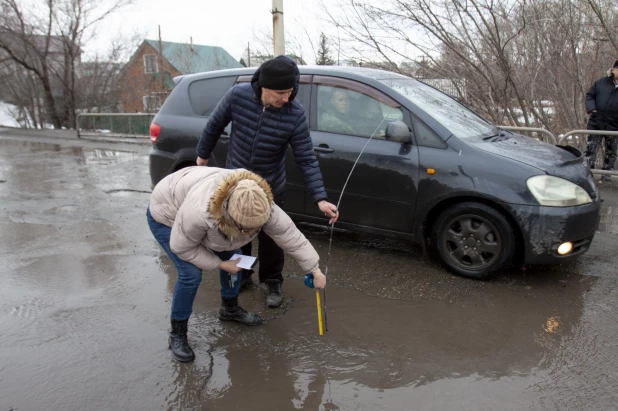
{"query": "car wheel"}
(474, 240)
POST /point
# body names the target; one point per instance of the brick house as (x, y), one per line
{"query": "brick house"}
(147, 79)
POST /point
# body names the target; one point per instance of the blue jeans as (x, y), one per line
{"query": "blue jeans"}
(190, 276)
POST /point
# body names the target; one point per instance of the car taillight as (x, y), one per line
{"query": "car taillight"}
(154, 132)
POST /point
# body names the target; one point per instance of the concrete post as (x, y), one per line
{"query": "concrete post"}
(278, 33)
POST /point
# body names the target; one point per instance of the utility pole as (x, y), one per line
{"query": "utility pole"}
(338, 45)
(160, 43)
(278, 33)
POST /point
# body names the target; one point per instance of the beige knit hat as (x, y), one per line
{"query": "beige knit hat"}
(248, 204)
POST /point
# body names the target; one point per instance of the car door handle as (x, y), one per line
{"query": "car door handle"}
(324, 148)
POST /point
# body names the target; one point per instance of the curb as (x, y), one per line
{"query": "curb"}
(72, 135)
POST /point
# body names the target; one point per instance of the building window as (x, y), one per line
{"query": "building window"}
(150, 63)
(151, 103)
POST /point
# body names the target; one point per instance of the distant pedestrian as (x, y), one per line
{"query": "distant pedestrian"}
(201, 217)
(602, 108)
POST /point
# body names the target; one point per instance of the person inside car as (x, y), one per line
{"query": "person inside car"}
(337, 117)
(266, 119)
(201, 217)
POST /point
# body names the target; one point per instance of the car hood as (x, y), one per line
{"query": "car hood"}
(561, 161)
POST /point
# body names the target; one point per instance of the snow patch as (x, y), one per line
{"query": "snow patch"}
(8, 114)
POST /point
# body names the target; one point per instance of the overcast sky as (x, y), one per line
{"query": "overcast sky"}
(227, 23)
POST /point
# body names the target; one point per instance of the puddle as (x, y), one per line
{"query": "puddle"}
(84, 314)
(98, 156)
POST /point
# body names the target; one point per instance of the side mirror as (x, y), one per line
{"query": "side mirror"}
(398, 132)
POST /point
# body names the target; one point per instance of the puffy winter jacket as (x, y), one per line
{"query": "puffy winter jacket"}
(260, 136)
(603, 97)
(192, 201)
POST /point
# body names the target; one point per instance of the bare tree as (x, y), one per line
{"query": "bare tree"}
(523, 62)
(605, 13)
(21, 88)
(472, 37)
(96, 88)
(21, 42)
(262, 46)
(36, 34)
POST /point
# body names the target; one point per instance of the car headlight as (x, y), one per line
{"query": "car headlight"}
(557, 192)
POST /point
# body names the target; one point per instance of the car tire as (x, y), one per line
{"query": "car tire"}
(474, 240)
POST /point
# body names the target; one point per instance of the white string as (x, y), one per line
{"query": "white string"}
(332, 226)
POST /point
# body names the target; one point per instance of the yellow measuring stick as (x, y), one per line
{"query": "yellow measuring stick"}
(317, 300)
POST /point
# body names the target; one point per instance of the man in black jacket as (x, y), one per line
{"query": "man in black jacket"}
(602, 107)
(265, 120)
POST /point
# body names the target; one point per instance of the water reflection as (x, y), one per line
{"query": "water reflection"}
(97, 156)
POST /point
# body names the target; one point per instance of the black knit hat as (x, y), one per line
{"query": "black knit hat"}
(615, 64)
(277, 74)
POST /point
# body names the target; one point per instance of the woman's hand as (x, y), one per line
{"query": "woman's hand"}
(230, 266)
(319, 279)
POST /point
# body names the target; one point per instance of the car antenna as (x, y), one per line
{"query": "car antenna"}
(332, 226)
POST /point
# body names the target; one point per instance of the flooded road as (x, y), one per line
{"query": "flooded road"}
(85, 293)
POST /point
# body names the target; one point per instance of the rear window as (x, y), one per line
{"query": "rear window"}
(205, 94)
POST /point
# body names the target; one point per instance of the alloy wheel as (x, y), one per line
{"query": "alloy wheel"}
(471, 241)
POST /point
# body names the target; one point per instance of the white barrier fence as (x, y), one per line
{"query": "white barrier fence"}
(566, 138)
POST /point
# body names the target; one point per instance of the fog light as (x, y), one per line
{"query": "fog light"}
(565, 248)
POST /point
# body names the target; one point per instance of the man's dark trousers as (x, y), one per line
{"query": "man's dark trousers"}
(602, 121)
(270, 255)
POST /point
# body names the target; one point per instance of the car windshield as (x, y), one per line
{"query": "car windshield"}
(458, 119)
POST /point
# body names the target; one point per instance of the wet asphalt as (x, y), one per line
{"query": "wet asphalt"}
(85, 293)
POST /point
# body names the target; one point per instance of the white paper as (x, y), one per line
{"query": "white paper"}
(246, 261)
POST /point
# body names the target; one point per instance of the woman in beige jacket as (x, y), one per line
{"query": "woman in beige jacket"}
(201, 216)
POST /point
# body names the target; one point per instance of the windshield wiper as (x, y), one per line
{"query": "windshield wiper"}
(499, 136)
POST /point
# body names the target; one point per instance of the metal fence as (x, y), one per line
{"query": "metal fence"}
(552, 138)
(125, 125)
(572, 138)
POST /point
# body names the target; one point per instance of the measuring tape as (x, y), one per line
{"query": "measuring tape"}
(309, 277)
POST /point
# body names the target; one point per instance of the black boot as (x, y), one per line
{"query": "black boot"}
(274, 298)
(231, 311)
(178, 342)
(247, 281)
